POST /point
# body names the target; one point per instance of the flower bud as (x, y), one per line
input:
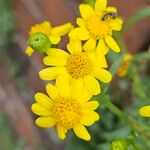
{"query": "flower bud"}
(39, 42)
(119, 145)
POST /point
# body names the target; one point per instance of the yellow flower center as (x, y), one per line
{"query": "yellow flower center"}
(97, 27)
(79, 65)
(67, 112)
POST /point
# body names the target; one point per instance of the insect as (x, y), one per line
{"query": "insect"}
(109, 14)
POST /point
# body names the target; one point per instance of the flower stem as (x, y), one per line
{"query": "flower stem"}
(114, 109)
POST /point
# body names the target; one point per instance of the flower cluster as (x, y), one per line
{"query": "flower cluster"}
(78, 71)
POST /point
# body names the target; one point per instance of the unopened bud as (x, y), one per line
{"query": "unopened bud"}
(119, 145)
(39, 42)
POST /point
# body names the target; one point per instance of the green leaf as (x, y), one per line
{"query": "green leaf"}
(145, 12)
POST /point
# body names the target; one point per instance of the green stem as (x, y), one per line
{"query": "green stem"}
(114, 109)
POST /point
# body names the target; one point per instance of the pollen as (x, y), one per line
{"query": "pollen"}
(97, 27)
(67, 112)
(79, 65)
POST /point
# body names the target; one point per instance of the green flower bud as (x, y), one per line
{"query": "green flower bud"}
(119, 145)
(39, 42)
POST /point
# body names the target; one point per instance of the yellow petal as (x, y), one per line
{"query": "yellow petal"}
(80, 22)
(61, 133)
(100, 61)
(100, 5)
(95, 116)
(29, 51)
(56, 52)
(92, 114)
(51, 73)
(86, 11)
(52, 91)
(44, 27)
(145, 111)
(103, 75)
(92, 105)
(89, 118)
(112, 44)
(102, 48)
(77, 88)
(54, 61)
(62, 29)
(62, 85)
(54, 39)
(40, 110)
(90, 45)
(92, 84)
(79, 34)
(43, 99)
(111, 9)
(116, 24)
(45, 122)
(82, 132)
(74, 46)
(46, 24)
(87, 121)
(85, 96)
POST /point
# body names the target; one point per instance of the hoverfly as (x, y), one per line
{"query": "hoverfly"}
(109, 14)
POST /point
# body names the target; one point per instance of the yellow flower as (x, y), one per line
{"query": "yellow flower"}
(53, 33)
(145, 111)
(77, 66)
(95, 29)
(67, 107)
(123, 69)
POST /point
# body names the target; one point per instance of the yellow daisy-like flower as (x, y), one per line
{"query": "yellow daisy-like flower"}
(53, 33)
(145, 111)
(96, 26)
(67, 107)
(81, 66)
(123, 69)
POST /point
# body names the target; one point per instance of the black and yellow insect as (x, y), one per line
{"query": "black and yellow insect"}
(109, 14)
